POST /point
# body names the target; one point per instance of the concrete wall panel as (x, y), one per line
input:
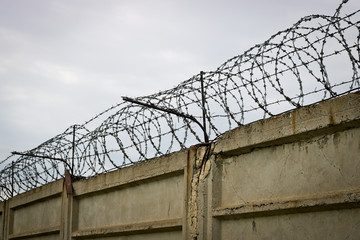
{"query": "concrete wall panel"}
(45, 237)
(157, 199)
(322, 164)
(330, 225)
(173, 235)
(1, 225)
(44, 214)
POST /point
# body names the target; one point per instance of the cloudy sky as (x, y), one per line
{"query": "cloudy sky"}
(64, 61)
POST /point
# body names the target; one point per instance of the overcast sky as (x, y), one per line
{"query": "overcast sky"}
(64, 61)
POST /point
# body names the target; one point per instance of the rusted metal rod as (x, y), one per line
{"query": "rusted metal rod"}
(203, 101)
(45, 157)
(73, 150)
(168, 110)
(12, 179)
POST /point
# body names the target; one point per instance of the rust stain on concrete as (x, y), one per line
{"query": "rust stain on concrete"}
(293, 121)
(331, 117)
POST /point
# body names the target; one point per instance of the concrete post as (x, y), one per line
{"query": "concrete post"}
(66, 214)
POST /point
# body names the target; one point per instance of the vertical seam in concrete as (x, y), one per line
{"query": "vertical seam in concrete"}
(187, 196)
(200, 160)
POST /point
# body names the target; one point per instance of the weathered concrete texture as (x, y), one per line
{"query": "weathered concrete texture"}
(328, 116)
(330, 225)
(149, 195)
(40, 193)
(318, 165)
(45, 237)
(44, 214)
(173, 235)
(1, 220)
(158, 199)
(168, 164)
(293, 176)
(35, 214)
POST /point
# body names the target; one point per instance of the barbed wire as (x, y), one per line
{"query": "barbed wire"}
(315, 59)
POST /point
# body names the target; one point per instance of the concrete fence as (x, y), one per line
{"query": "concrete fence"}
(292, 176)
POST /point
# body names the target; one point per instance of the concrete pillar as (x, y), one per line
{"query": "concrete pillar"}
(66, 214)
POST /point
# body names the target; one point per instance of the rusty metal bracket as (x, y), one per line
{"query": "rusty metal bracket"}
(171, 111)
(203, 101)
(68, 183)
(47, 157)
(68, 175)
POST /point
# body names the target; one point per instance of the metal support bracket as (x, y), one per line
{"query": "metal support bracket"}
(180, 114)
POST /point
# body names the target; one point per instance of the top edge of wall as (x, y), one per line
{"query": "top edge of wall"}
(328, 116)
